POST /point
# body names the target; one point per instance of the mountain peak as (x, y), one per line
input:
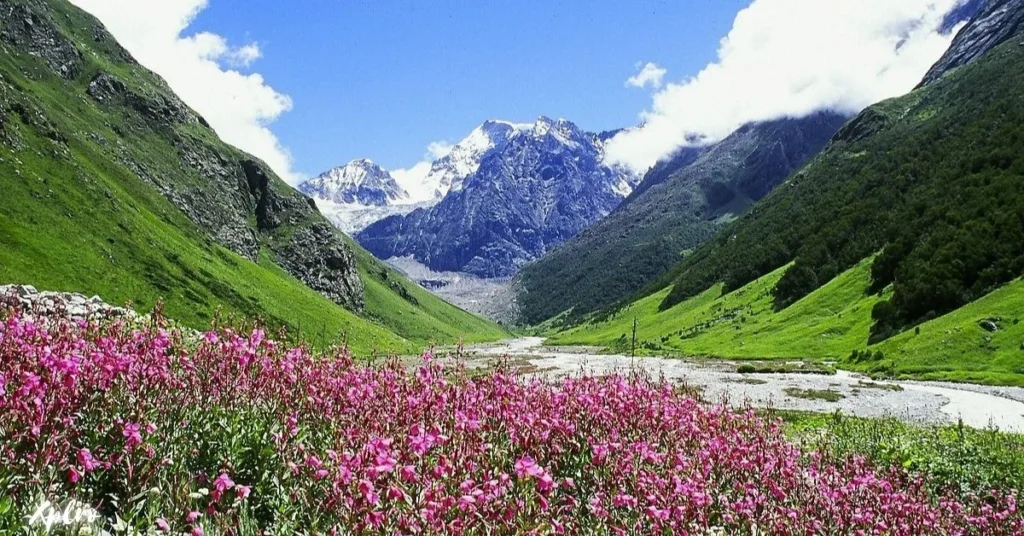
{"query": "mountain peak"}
(448, 172)
(515, 192)
(359, 182)
(991, 23)
(561, 130)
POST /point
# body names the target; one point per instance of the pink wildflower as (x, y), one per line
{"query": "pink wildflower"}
(527, 467)
(223, 482)
(86, 460)
(132, 435)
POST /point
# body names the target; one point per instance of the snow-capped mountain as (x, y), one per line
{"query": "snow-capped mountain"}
(360, 182)
(533, 187)
(448, 172)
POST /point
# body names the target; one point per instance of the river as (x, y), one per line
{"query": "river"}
(977, 406)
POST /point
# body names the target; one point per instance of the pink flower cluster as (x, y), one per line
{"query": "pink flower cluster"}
(337, 448)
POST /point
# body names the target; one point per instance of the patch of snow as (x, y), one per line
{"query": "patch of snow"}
(352, 218)
(623, 188)
(448, 173)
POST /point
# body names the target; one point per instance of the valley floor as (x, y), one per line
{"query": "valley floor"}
(978, 406)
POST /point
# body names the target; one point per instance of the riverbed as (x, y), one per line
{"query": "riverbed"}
(978, 406)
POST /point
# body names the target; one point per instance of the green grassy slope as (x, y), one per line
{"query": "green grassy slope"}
(827, 324)
(956, 347)
(74, 216)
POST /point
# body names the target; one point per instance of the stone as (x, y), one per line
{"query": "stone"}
(28, 28)
(989, 324)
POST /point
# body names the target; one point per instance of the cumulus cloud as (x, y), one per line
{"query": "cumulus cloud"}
(204, 70)
(791, 58)
(244, 55)
(650, 75)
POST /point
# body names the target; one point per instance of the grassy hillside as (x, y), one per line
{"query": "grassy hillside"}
(85, 206)
(827, 324)
(956, 347)
(931, 179)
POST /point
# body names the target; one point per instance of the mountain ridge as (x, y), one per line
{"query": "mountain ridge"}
(359, 182)
(927, 182)
(543, 185)
(680, 202)
(992, 22)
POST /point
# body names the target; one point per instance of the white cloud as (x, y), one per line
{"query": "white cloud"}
(438, 149)
(650, 74)
(202, 68)
(791, 58)
(413, 180)
(244, 55)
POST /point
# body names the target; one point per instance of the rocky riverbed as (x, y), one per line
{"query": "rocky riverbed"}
(978, 406)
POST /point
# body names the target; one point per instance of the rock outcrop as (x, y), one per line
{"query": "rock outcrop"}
(60, 304)
(995, 22)
(26, 28)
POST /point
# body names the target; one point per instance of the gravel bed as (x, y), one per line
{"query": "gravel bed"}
(916, 402)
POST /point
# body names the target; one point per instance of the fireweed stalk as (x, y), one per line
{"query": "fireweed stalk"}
(232, 432)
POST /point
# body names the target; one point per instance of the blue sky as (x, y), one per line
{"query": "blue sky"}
(384, 79)
(310, 84)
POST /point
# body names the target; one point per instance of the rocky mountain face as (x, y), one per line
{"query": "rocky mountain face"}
(361, 193)
(533, 189)
(360, 182)
(231, 196)
(450, 171)
(993, 22)
(680, 203)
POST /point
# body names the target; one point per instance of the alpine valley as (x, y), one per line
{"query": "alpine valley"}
(787, 301)
(896, 250)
